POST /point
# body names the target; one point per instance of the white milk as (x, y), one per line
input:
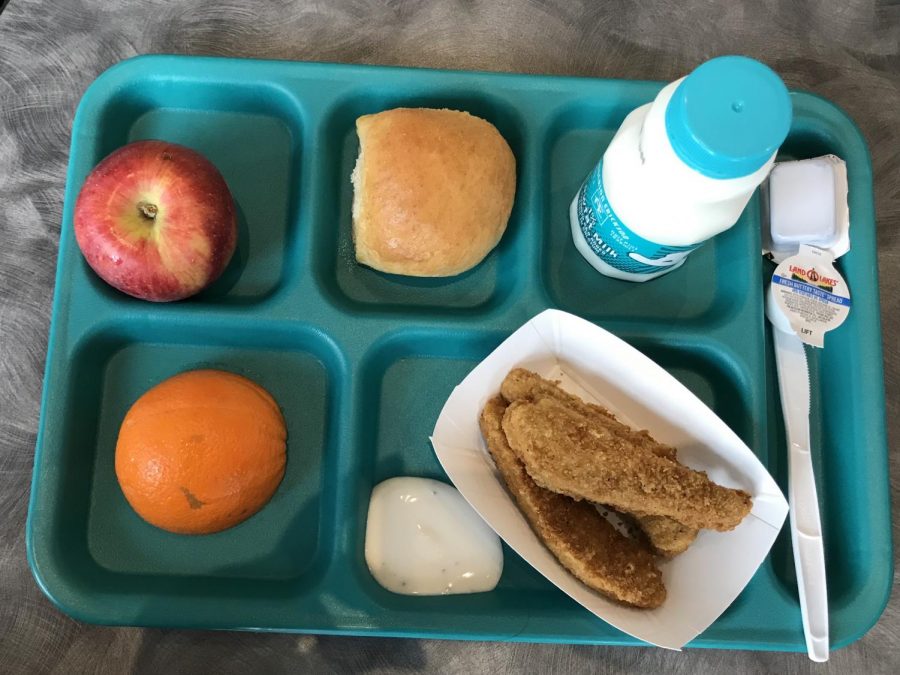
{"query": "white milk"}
(681, 169)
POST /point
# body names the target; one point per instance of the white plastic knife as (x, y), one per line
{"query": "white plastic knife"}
(806, 526)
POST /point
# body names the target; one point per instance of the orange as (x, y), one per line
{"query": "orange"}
(201, 452)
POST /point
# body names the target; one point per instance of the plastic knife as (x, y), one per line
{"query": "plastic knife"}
(806, 526)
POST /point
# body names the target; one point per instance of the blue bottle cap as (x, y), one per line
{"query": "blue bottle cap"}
(727, 117)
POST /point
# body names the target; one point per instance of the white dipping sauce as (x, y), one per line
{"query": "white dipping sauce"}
(423, 538)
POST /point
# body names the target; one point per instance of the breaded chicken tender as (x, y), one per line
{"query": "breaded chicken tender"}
(666, 536)
(524, 384)
(582, 540)
(569, 452)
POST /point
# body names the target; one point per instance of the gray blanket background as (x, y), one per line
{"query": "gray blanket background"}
(50, 51)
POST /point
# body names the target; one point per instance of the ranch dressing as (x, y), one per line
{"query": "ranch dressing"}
(423, 538)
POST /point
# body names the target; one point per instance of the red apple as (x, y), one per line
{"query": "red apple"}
(156, 221)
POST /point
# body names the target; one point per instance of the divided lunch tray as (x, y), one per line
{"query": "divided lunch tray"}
(362, 362)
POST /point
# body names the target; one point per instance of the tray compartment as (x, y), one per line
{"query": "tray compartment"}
(289, 542)
(394, 375)
(844, 423)
(252, 132)
(707, 289)
(353, 287)
(396, 372)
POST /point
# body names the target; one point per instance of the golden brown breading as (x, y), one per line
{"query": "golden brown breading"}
(524, 384)
(582, 540)
(666, 536)
(568, 452)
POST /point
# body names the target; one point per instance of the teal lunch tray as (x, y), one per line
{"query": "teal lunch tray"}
(362, 362)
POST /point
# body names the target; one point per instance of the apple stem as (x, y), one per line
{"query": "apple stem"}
(147, 210)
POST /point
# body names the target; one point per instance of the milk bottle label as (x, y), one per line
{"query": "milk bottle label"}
(614, 242)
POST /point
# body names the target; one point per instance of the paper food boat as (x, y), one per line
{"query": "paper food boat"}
(599, 367)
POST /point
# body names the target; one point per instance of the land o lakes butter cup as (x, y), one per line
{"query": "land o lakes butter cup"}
(810, 296)
(599, 367)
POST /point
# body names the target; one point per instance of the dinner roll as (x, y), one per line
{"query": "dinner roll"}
(433, 190)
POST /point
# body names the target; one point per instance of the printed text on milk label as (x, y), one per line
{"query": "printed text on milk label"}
(613, 241)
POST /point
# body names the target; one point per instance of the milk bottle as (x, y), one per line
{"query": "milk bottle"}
(681, 169)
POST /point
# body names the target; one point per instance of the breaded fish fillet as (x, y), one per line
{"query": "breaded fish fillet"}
(571, 453)
(666, 536)
(582, 540)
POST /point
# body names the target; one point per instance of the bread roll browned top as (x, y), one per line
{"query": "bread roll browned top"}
(433, 190)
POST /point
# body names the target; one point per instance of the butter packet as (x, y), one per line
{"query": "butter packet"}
(811, 296)
(805, 202)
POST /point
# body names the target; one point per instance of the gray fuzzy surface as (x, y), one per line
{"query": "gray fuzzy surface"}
(845, 50)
